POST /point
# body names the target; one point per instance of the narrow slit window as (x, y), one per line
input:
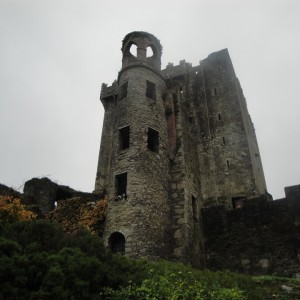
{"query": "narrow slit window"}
(224, 141)
(124, 88)
(191, 120)
(214, 91)
(227, 163)
(194, 208)
(153, 140)
(121, 186)
(124, 137)
(219, 117)
(150, 90)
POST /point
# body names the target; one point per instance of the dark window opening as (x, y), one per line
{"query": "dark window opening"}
(219, 117)
(124, 137)
(180, 89)
(224, 142)
(227, 163)
(150, 90)
(121, 186)
(191, 120)
(238, 202)
(124, 88)
(116, 243)
(214, 91)
(153, 140)
(194, 208)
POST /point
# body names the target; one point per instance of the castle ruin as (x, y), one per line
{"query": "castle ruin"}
(173, 141)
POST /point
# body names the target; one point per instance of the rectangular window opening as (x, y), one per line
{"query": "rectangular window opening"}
(150, 90)
(219, 117)
(191, 120)
(124, 88)
(224, 142)
(121, 186)
(153, 140)
(124, 137)
(194, 208)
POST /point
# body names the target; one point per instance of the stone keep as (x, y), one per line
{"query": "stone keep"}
(173, 141)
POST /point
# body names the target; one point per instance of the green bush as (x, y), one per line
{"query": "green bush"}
(39, 261)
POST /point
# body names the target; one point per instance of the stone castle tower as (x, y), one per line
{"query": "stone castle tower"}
(173, 141)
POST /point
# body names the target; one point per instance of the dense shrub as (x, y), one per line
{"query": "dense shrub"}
(175, 281)
(39, 261)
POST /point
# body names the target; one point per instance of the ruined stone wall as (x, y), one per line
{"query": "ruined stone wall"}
(8, 191)
(218, 124)
(185, 189)
(262, 237)
(186, 194)
(256, 162)
(108, 98)
(43, 195)
(224, 150)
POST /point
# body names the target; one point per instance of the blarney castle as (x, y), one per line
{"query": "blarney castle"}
(174, 141)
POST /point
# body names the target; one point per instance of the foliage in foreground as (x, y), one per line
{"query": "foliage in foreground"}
(38, 260)
(12, 210)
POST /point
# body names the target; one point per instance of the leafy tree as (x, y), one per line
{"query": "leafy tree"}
(12, 210)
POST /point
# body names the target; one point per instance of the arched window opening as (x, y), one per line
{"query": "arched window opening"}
(116, 243)
(149, 51)
(133, 49)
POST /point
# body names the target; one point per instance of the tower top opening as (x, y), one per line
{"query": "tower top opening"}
(141, 48)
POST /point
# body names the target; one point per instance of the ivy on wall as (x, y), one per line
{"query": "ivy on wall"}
(77, 212)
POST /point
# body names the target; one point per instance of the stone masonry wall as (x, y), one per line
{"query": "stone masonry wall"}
(262, 237)
(144, 216)
(185, 178)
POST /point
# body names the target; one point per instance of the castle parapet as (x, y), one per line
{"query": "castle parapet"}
(108, 93)
(172, 71)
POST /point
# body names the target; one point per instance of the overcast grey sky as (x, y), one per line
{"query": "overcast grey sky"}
(54, 55)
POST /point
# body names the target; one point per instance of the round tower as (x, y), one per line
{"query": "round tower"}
(138, 219)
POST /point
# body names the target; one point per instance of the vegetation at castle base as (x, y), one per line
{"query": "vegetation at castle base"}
(11, 210)
(174, 281)
(75, 213)
(38, 260)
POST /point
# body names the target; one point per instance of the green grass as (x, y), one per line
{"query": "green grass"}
(272, 286)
